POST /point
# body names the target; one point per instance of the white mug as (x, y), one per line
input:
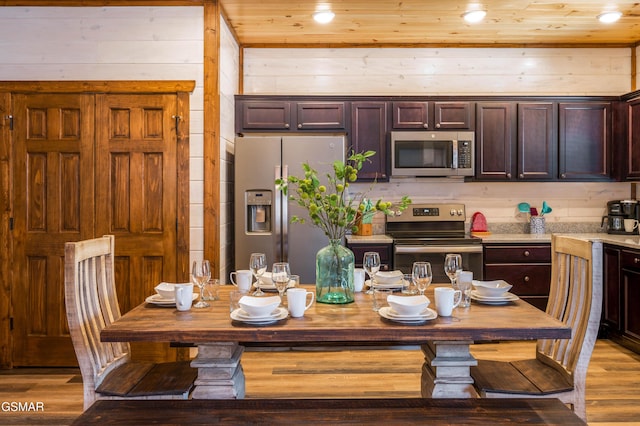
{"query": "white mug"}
(630, 225)
(183, 294)
(243, 277)
(297, 301)
(358, 279)
(446, 299)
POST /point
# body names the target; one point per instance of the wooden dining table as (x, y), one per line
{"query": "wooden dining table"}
(445, 341)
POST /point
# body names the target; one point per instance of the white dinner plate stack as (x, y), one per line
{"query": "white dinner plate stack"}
(278, 314)
(158, 300)
(498, 300)
(426, 315)
(387, 279)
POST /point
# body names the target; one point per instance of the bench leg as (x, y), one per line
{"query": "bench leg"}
(220, 374)
(446, 370)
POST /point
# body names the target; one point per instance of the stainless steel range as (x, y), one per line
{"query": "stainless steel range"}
(427, 232)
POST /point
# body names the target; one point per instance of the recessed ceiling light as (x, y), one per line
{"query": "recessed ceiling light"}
(323, 16)
(609, 17)
(473, 16)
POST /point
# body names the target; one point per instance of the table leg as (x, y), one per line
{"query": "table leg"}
(446, 370)
(220, 374)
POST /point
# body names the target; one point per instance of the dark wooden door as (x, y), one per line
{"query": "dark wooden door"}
(537, 142)
(369, 132)
(632, 154)
(136, 186)
(611, 300)
(495, 141)
(584, 135)
(453, 115)
(54, 203)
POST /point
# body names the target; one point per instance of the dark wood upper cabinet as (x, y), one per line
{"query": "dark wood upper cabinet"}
(632, 157)
(537, 147)
(453, 115)
(369, 132)
(264, 115)
(410, 115)
(495, 136)
(320, 116)
(583, 140)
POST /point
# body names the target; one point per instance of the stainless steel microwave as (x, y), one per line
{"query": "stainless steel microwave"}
(418, 154)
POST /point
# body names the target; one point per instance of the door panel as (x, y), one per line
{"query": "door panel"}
(136, 187)
(53, 189)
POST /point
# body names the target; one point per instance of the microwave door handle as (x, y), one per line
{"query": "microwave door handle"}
(454, 158)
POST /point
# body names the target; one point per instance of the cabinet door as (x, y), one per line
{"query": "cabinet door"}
(611, 302)
(633, 152)
(453, 115)
(495, 150)
(320, 116)
(384, 250)
(369, 132)
(584, 134)
(410, 115)
(264, 115)
(631, 286)
(537, 141)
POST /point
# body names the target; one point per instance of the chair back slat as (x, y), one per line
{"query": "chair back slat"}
(91, 304)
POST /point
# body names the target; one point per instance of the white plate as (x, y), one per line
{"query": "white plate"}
(272, 286)
(398, 284)
(279, 314)
(388, 313)
(158, 300)
(508, 297)
(245, 316)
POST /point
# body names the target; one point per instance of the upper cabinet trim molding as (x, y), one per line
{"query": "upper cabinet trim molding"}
(99, 86)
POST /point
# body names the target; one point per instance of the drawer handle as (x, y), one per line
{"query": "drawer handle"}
(526, 279)
(526, 253)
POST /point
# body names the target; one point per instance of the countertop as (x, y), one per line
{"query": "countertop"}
(629, 241)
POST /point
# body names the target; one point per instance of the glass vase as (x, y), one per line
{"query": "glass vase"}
(334, 274)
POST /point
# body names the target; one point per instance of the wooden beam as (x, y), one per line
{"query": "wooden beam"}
(99, 86)
(211, 135)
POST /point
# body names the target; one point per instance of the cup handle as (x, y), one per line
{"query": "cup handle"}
(457, 293)
(232, 280)
(313, 297)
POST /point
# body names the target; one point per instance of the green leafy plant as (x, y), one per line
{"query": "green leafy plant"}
(329, 205)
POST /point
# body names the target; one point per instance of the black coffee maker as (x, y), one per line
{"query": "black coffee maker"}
(617, 212)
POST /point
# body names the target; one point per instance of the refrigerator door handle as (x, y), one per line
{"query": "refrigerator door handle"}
(278, 216)
(285, 216)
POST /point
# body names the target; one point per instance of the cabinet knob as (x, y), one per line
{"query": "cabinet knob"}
(636, 260)
(508, 175)
(299, 126)
(425, 125)
(521, 175)
(526, 253)
(526, 278)
(438, 125)
(563, 176)
(286, 126)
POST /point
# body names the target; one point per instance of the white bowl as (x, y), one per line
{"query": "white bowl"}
(389, 277)
(259, 306)
(166, 290)
(266, 279)
(408, 305)
(495, 288)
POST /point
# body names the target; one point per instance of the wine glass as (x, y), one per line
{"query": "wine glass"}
(280, 274)
(258, 266)
(200, 275)
(452, 264)
(421, 275)
(371, 264)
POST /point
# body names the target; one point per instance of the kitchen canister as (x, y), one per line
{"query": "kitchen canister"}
(537, 225)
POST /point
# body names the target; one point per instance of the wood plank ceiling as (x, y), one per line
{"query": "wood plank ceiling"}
(260, 23)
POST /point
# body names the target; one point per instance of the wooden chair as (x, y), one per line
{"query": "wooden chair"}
(559, 369)
(91, 305)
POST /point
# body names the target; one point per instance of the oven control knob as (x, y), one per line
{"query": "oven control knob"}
(452, 212)
(460, 212)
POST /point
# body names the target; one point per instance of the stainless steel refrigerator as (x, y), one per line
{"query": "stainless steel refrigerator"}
(262, 213)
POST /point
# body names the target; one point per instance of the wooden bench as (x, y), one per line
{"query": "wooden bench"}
(417, 411)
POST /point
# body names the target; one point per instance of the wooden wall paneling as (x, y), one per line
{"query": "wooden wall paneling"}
(212, 134)
(6, 256)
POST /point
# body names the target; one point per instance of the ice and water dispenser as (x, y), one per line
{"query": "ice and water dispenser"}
(258, 204)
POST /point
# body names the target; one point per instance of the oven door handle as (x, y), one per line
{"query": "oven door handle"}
(437, 249)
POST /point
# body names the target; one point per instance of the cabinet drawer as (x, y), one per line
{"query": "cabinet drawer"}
(527, 280)
(630, 259)
(513, 254)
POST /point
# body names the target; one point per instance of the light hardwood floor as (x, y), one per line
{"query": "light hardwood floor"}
(613, 382)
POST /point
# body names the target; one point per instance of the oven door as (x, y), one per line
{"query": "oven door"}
(404, 255)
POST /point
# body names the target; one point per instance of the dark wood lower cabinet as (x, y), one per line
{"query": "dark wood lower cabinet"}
(525, 266)
(384, 250)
